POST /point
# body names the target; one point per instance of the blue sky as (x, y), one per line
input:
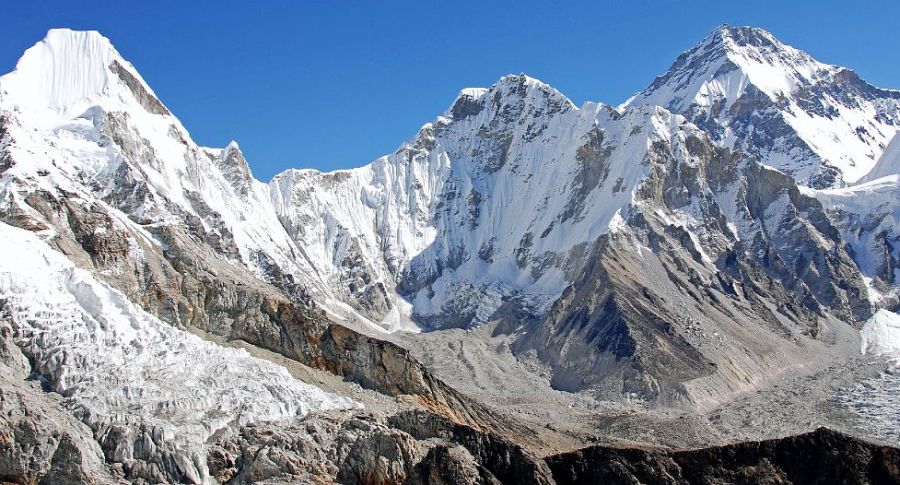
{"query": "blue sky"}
(335, 84)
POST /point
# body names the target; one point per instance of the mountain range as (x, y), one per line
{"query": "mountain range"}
(167, 317)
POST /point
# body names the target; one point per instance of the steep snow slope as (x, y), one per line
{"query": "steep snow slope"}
(868, 215)
(888, 164)
(159, 392)
(881, 334)
(77, 118)
(820, 123)
(484, 205)
(63, 75)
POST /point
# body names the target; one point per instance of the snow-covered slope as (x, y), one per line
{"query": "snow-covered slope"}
(868, 215)
(483, 205)
(881, 334)
(888, 164)
(819, 122)
(78, 119)
(160, 393)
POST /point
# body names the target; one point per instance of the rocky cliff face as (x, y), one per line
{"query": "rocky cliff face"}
(737, 246)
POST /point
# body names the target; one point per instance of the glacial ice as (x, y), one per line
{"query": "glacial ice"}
(126, 373)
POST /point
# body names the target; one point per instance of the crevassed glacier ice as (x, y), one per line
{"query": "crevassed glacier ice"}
(158, 391)
(877, 401)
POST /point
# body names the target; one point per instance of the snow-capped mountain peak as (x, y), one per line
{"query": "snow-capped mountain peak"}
(81, 120)
(818, 122)
(69, 71)
(510, 95)
(756, 55)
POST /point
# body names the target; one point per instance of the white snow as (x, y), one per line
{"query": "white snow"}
(716, 73)
(888, 164)
(118, 366)
(881, 334)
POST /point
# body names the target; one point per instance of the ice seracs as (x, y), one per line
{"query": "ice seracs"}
(868, 215)
(131, 377)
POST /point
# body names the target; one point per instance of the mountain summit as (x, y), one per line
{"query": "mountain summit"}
(818, 122)
(70, 70)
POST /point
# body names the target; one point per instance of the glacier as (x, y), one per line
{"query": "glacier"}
(154, 389)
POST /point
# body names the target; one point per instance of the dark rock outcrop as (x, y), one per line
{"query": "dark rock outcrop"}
(819, 457)
(410, 447)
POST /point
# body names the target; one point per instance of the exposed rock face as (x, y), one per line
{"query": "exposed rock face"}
(150, 102)
(822, 456)
(719, 237)
(410, 447)
(234, 168)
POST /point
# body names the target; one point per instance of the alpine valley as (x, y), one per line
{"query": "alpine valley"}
(526, 291)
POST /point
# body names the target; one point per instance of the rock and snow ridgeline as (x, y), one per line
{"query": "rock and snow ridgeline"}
(418, 234)
(818, 122)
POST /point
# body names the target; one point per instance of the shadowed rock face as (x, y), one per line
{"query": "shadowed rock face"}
(717, 247)
(150, 102)
(820, 457)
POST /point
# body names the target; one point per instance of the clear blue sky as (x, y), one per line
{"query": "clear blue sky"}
(335, 84)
